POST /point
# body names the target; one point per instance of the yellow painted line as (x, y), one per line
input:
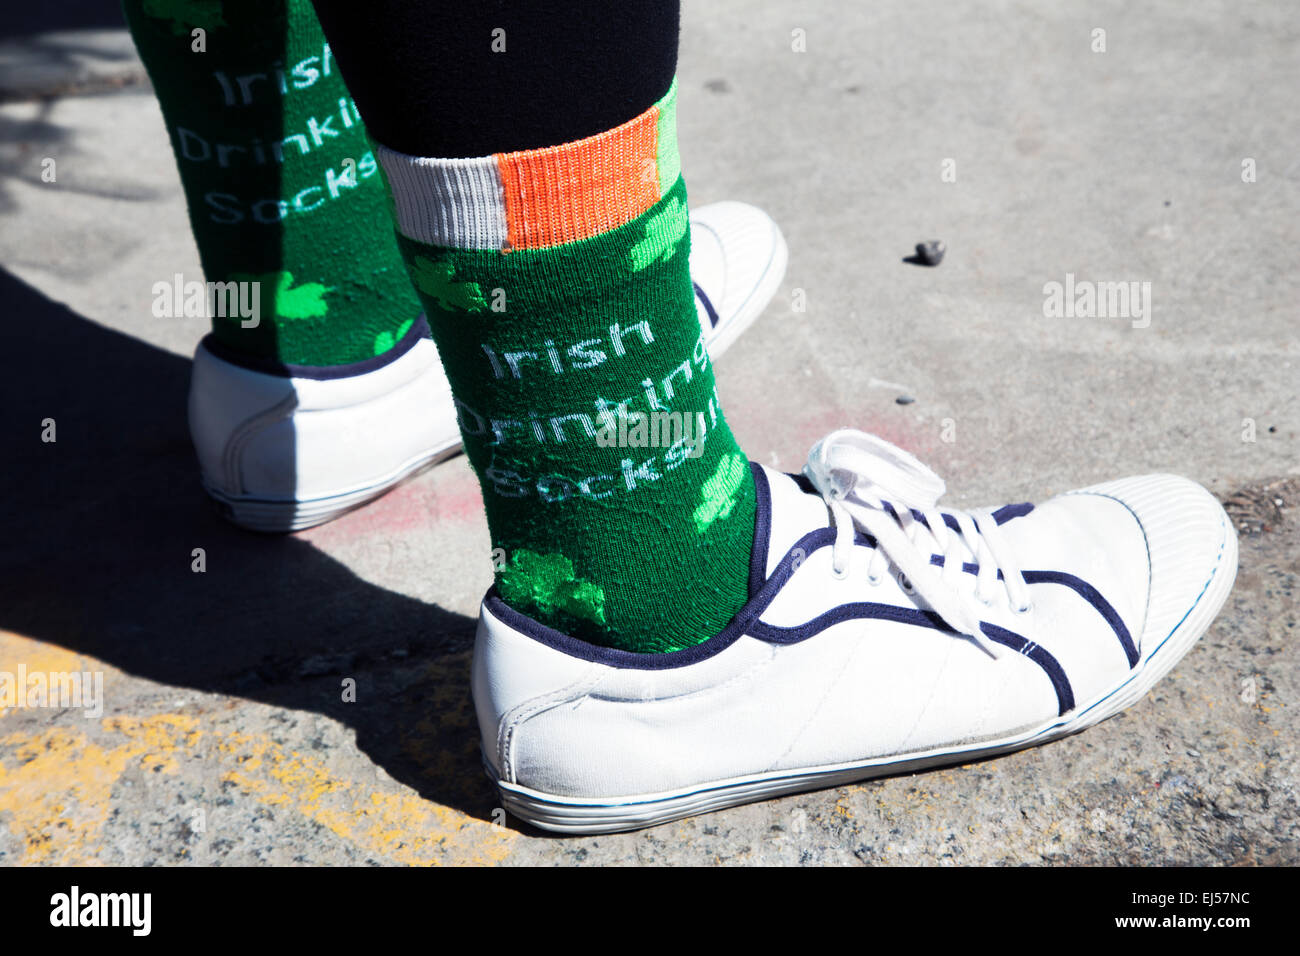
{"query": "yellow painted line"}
(55, 798)
(39, 656)
(56, 794)
(401, 826)
(56, 785)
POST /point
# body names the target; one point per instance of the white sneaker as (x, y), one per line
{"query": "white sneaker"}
(283, 452)
(882, 635)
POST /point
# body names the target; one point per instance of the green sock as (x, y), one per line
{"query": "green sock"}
(565, 315)
(282, 186)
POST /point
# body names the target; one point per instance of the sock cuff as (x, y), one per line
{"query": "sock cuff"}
(537, 198)
(457, 203)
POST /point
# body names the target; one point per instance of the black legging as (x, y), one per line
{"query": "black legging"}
(427, 82)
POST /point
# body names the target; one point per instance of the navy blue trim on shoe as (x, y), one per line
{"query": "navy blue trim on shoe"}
(866, 610)
(859, 610)
(1001, 516)
(1040, 656)
(708, 306)
(1080, 587)
(612, 656)
(804, 482)
(762, 528)
(1007, 512)
(1093, 597)
(419, 330)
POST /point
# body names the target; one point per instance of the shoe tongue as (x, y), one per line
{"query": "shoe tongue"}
(787, 510)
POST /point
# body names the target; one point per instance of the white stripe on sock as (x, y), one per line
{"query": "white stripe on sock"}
(447, 202)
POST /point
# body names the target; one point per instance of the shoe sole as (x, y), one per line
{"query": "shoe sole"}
(612, 815)
(278, 516)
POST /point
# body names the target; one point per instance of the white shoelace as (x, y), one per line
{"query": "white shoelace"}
(861, 477)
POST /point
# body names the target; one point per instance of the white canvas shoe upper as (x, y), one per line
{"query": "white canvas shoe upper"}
(281, 452)
(870, 644)
(738, 258)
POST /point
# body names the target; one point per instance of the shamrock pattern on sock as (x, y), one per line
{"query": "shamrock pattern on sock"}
(438, 281)
(663, 232)
(548, 582)
(718, 493)
(384, 341)
(305, 301)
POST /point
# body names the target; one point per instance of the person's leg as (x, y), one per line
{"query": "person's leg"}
(281, 183)
(471, 79)
(543, 219)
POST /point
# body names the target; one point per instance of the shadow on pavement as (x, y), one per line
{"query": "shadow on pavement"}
(29, 18)
(97, 531)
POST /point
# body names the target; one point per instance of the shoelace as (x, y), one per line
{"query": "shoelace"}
(872, 485)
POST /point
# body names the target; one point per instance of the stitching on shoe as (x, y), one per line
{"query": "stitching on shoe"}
(516, 716)
(794, 741)
(244, 432)
(744, 675)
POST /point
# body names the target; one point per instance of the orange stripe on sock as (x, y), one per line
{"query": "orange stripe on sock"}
(570, 192)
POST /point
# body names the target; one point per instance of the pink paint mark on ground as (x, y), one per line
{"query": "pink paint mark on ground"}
(461, 500)
(411, 508)
(790, 434)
